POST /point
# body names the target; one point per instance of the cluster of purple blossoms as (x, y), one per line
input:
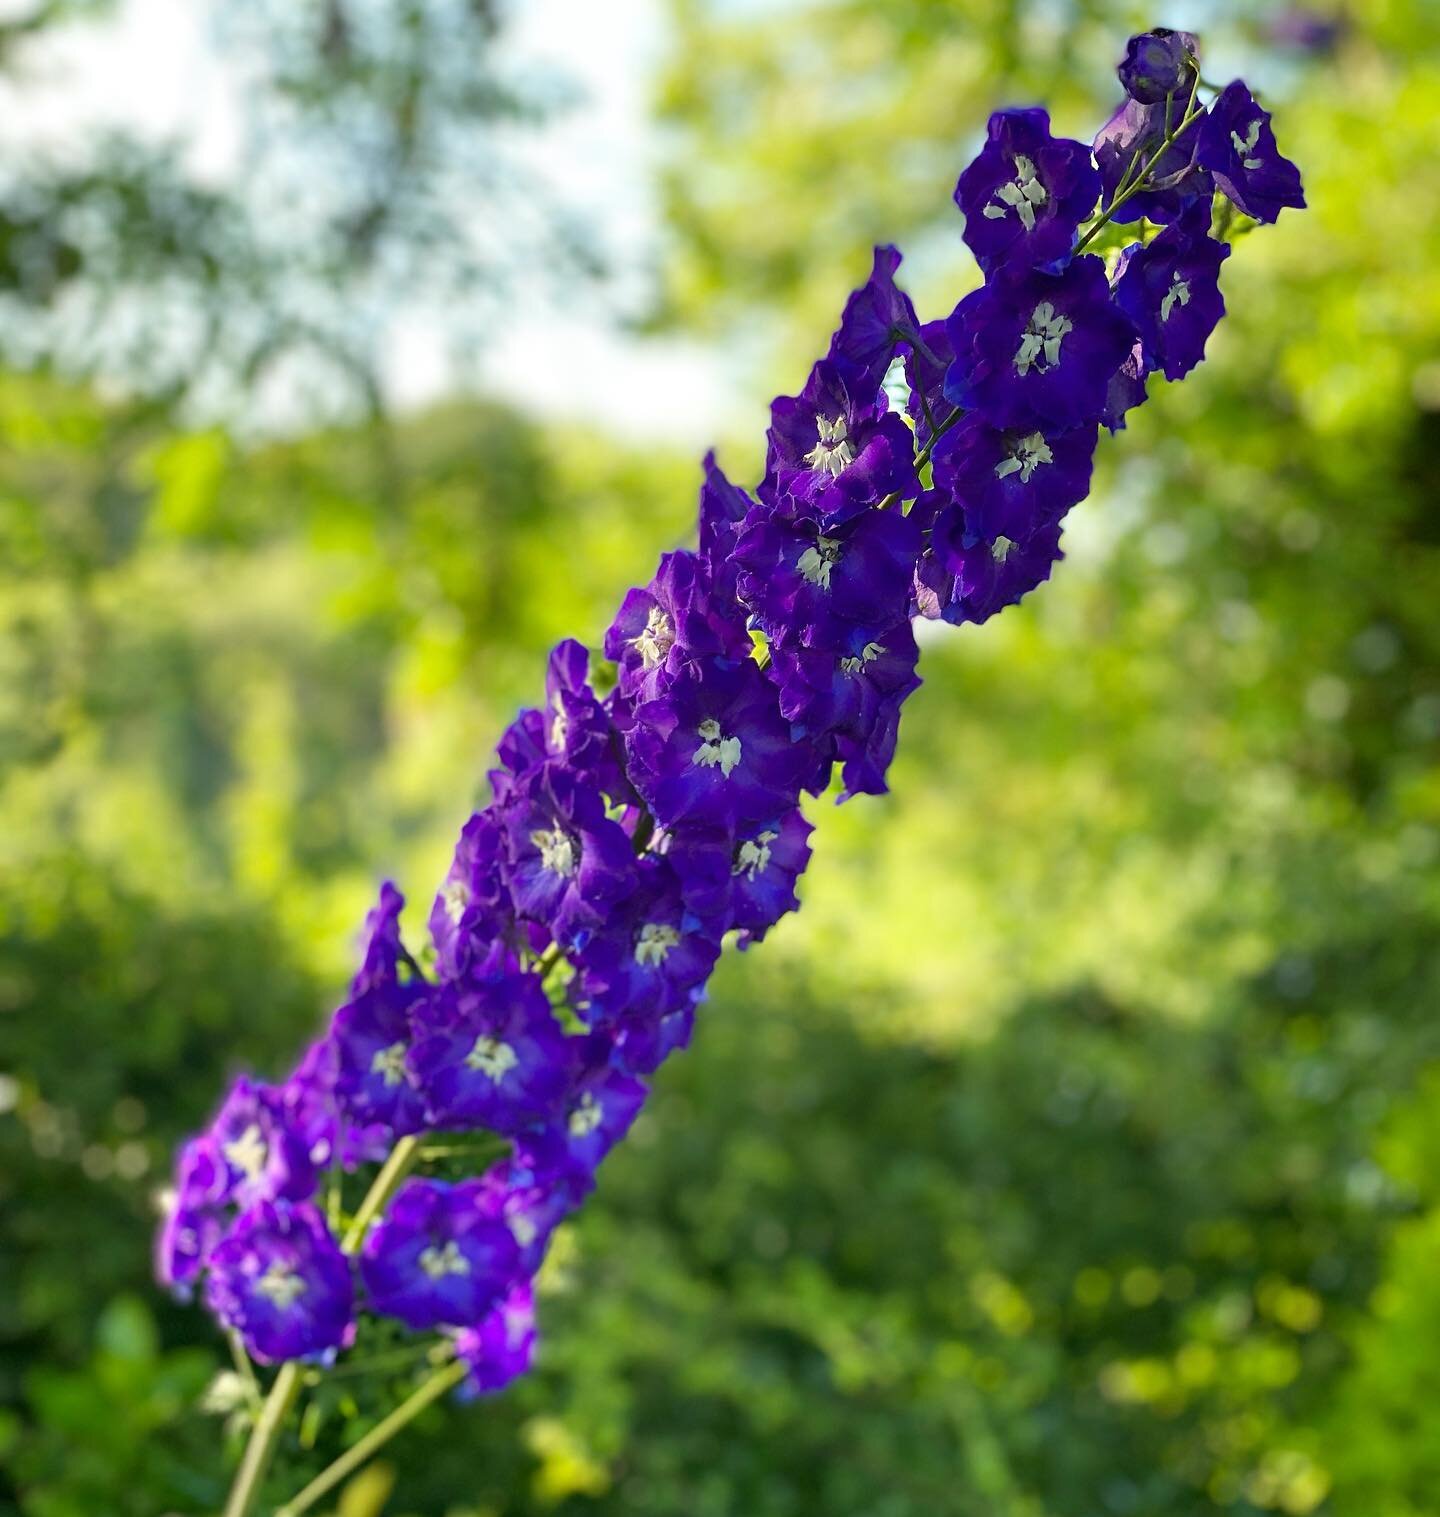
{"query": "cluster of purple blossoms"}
(654, 807)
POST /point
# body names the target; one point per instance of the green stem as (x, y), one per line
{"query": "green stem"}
(1167, 142)
(427, 1392)
(401, 1161)
(266, 1434)
(245, 1369)
(260, 1451)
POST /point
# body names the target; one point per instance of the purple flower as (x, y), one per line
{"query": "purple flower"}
(473, 908)
(439, 1258)
(723, 507)
(530, 1205)
(371, 1032)
(488, 1051)
(852, 695)
(381, 951)
(1132, 139)
(836, 445)
(264, 1157)
(806, 583)
(602, 1104)
(714, 751)
(966, 578)
(374, 1084)
(1170, 289)
(1159, 63)
(1127, 390)
(642, 1046)
(501, 1348)
(650, 956)
(746, 882)
(1039, 350)
(1012, 482)
(313, 1111)
(578, 730)
(195, 1216)
(566, 863)
(877, 319)
(281, 1282)
(1238, 147)
(676, 616)
(1026, 194)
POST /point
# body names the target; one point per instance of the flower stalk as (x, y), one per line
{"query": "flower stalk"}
(644, 818)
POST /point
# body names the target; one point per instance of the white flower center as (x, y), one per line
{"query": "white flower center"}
(1002, 548)
(281, 1285)
(558, 852)
(654, 943)
(868, 654)
(585, 1117)
(389, 1062)
(816, 563)
(1021, 195)
(655, 639)
(248, 1153)
(753, 855)
(1023, 456)
(716, 751)
(456, 896)
(439, 1262)
(1040, 346)
(559, 726)
(522, 1229)
(832, 453)
(492, 1058)
(1247, 144)
(1177, 294)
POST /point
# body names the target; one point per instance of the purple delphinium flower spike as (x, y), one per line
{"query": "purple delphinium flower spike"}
(1238, 147)
(1014, 481)
(438, 1258)
(1170, 289)
(502, 1346)
(837, 446)
(488, 1051)
(1039, 350)
(280, 1280)
(1159, 63)
(1026, 194)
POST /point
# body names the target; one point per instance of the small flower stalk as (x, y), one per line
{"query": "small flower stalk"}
(652, 810)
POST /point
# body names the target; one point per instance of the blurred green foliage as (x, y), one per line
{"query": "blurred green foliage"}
(1073, 1152)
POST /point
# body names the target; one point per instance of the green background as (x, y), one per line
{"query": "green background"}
(1075, 1150)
